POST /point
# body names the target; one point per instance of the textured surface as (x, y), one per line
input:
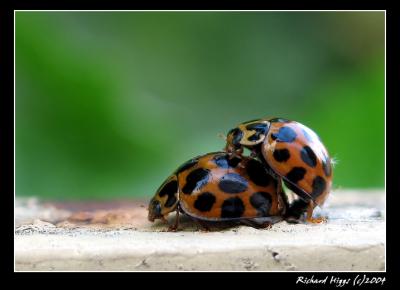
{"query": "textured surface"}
(117, 236)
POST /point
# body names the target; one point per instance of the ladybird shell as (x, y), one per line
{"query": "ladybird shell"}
(215, 187)
(296, 153)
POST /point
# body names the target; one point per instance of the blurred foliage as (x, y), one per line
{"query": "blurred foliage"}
(108, 104)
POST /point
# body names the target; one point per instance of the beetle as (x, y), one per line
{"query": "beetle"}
(216, 187)
(294, 153)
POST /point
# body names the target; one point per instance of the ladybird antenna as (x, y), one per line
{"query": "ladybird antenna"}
(334, 161)
(222, 136)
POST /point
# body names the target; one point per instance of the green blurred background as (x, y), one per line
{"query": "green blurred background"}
(108, 104)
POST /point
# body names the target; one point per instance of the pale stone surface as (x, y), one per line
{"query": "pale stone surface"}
(120, 238)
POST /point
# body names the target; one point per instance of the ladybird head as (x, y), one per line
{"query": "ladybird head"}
(247, 134)
(154, 209)
(165, 199)
(233, 140)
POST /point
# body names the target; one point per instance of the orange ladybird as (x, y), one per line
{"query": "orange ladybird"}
(218, 187)
(293, 152)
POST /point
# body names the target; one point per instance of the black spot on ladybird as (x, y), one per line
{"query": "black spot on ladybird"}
(296, 174)
(318, 186)
(257, 173)
(254, 137)
(196, 180)
(224, 161)
(170, 201)
(285, 134)
(261, 201)
(232, 208)
(281, 155)
(327, 166)
(232, 183)
(187, 165)
(170, 189)
(259, 128)
(308, 156)
(237, 135)
(205, 201)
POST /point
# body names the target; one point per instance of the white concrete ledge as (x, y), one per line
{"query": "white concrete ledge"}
(121, 239)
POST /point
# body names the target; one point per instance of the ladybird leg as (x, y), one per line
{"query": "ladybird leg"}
(254, 154)
(234, 150)
(164, 220)
(300, 206)
(262, 222)
(296, 209)
(236, 153)
(310, 210)
(203, 226)
(174, 227)
(257, 225)
(279, 185)
(282, 196)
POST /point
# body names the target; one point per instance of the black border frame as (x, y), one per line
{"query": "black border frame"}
(265, 278)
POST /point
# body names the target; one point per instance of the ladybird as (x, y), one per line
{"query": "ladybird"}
(217, 187)
(294, 153)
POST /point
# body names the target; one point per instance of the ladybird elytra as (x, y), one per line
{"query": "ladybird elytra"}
(219, 187)
(292, 150)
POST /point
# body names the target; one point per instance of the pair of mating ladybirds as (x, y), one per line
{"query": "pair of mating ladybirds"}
(228, 186)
